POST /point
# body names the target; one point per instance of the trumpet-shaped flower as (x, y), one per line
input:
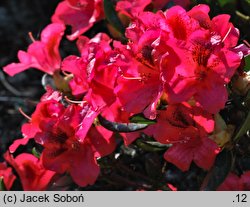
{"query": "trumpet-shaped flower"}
(30, 169)
(42, 55)
(79, 14)
(187, 128)
(72, 145)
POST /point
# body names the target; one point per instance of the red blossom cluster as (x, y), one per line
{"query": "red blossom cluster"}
(173, 70)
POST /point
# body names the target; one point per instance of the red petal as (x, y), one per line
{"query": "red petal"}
(84, 169)
(205, 153)
(80, 20)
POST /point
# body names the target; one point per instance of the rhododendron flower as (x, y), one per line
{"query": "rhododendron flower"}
(65, 151)
(245, 179)
(139, 66)
(199, 149)
(142, 82)
(187, 127)
(236, 183)
(6, 175)
(94, 75)
(207, 55)
(79, 14)
(43, 55)
(178, 120)
(49, 109)
(232, 182)
(32, 174)
(78, 67)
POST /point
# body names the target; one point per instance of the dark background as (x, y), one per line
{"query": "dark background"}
(17, 18)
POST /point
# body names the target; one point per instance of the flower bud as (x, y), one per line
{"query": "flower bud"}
(222, 132)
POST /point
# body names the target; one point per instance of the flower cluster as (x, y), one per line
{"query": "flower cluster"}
(173, 69)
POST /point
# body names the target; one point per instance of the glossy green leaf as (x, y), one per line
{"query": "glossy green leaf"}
(120, 127)
(247, 63)
(219, 171)
(150, 146)
(112, 17)
(35, 152)
(141, 120)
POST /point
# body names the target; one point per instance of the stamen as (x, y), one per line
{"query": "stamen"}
(182, 141)
(66, 73)
(72, 101)
(75, 146)
(31, 37)
(131, 78)
(247, 43)
(24, 114)
(227, 34)
(142, 78)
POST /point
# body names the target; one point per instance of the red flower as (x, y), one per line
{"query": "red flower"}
(48, 110)
(72, 145)
(199, 149)
(94, 73)
(179, 120)
(78, 67)
(32, 174)
(186, 127)
(181, 25)
(138, 63)
(79, 14)
(43, 55)
(142, 82)
(206, 55)
(6, 175)
(236, 183)
(245, 179)
(231, 183)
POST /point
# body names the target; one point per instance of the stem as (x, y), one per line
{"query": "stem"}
(242, 16)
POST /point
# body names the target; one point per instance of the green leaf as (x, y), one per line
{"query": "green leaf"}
(2, 186)
(112, 17)
(244, 128)
(219, 171)
(247, 63)
(141, 120)
(120, 127)
(151, 146)
(35, 152)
